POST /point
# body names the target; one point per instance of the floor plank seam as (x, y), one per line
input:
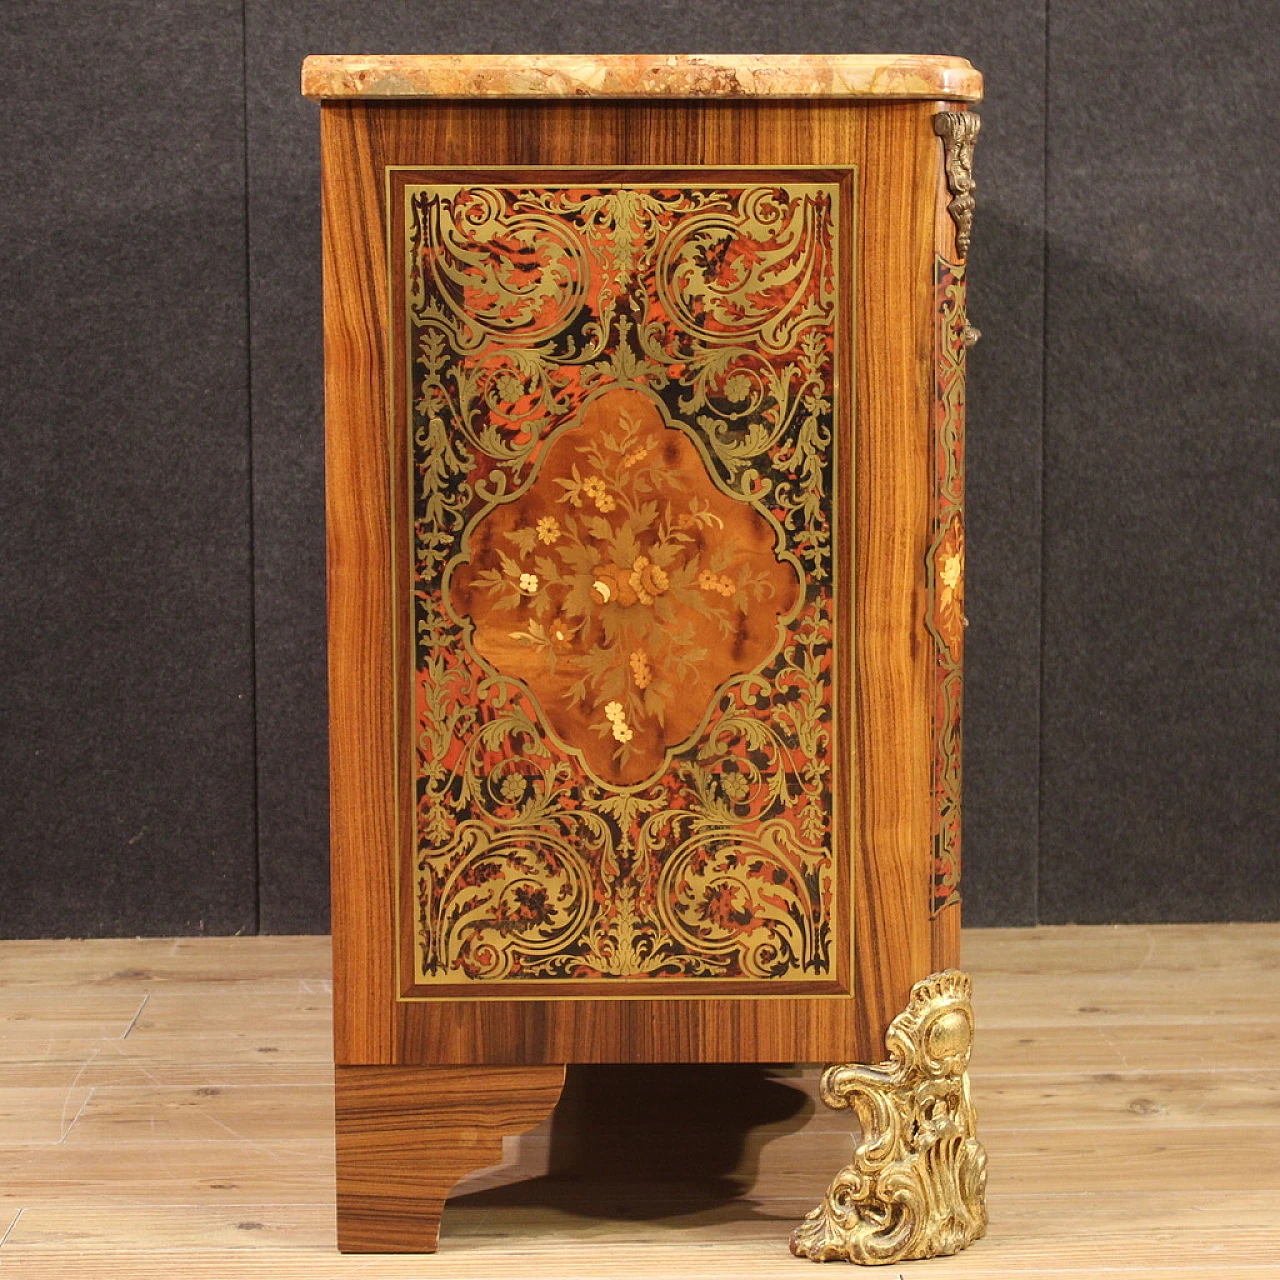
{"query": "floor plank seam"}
(88, 1097)
(9, 1229)
(146, 995)
(981, 1076)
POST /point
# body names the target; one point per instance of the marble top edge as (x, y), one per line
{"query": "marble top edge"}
(700, 75)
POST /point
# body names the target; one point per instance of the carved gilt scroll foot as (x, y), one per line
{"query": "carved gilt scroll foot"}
(917, 1184)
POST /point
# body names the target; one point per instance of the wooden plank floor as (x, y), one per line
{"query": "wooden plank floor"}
(166, 1111)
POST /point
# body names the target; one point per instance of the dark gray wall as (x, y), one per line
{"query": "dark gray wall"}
(163, 646)
(127, 793)
(1161, 750)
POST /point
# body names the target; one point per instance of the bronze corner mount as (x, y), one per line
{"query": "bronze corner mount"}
(917, 1185)
(959, 131)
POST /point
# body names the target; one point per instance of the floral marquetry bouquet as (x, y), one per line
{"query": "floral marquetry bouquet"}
(624, 573)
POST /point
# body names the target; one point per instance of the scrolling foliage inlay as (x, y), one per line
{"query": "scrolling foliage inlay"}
(622, 416)
(944, 576)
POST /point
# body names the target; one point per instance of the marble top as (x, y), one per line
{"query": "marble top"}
(687, 75)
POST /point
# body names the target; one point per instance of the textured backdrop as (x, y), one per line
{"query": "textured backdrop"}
(163, 715)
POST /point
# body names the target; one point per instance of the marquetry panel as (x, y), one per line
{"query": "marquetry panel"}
(622, 397)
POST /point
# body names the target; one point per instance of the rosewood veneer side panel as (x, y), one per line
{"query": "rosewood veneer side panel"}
(899, 158)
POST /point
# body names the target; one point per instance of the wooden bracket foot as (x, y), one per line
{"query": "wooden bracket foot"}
(405, 1135)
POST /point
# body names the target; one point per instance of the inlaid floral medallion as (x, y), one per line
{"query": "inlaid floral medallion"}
(624, 588)
(622, 407)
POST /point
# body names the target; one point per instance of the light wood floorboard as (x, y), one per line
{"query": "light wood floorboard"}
(166, 1111)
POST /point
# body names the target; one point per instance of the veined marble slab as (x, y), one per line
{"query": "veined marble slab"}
(702, 75)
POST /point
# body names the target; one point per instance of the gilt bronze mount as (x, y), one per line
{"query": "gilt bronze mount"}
(959, 131)
(917, 1185)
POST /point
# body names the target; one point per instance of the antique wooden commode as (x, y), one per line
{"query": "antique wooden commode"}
(645, 414)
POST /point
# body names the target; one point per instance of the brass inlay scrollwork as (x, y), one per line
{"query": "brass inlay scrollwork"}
(917, 1185)
(944, 575)
(959, 131)
(622, 408)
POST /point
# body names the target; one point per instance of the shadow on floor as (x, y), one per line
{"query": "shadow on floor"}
(650, 1142)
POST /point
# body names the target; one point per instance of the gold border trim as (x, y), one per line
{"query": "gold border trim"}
(844, 791)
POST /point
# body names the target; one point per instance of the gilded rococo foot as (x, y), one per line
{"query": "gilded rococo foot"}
(917, 1184)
